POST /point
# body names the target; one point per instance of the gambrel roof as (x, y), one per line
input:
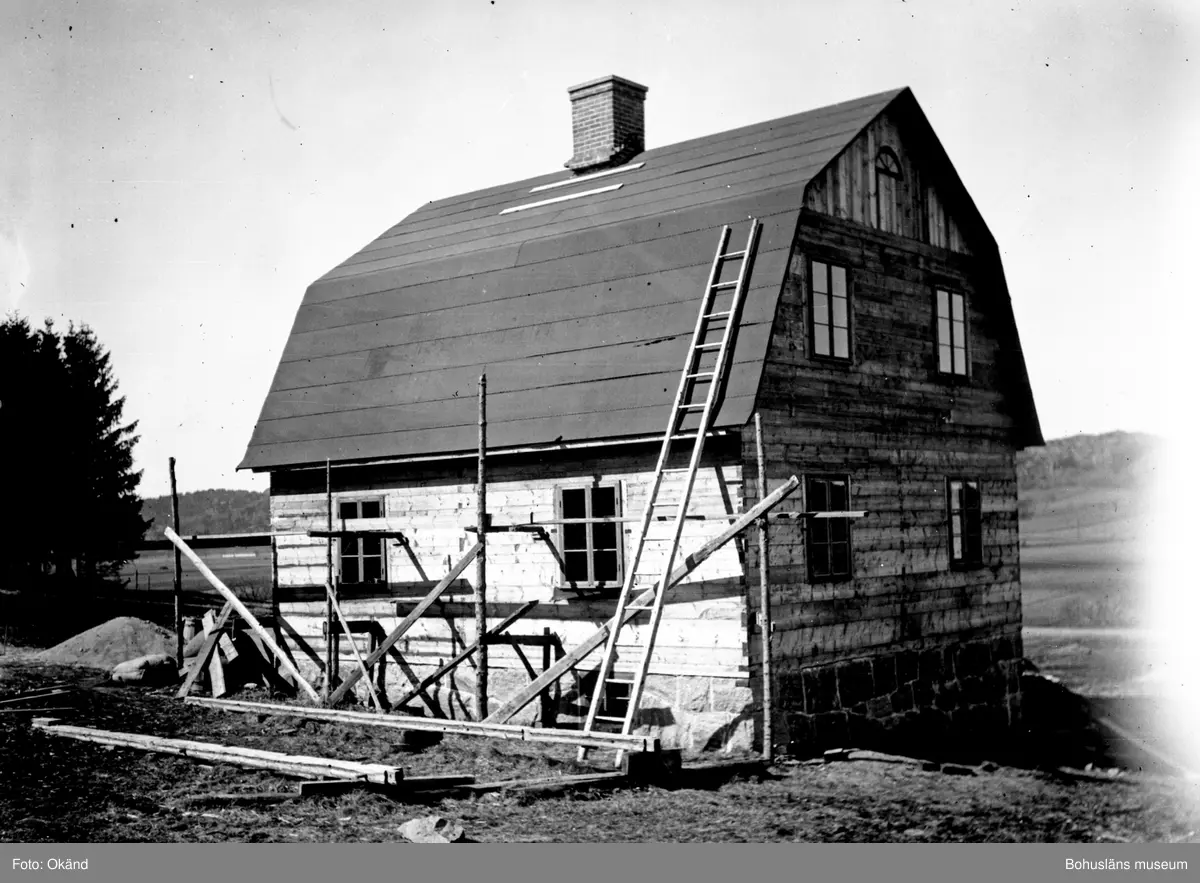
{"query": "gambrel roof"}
(579, 309)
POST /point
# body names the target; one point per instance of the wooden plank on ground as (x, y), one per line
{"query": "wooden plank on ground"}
(36, 709)
(510, 732)
(299, 766)
(32, 696)
(405, 624)
(418, 783)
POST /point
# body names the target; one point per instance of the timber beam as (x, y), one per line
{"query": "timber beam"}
(509, 732)
(291, 765)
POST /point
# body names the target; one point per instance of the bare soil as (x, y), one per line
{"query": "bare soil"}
(59, 790)
(110, 643)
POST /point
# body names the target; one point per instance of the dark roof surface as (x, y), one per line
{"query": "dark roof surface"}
(580, 311)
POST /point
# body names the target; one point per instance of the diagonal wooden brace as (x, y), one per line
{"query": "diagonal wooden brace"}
(465, 654)
(526, 695)
(206, 651)
(405, 624)
(244, 613)
(329, 593)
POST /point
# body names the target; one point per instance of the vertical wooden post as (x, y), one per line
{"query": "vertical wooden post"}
(178, 570)
(276, 631)
(330, 637)
(545, 718)
(481, 677)
(764, 603)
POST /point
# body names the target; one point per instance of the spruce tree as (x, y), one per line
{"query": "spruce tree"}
(74, 506)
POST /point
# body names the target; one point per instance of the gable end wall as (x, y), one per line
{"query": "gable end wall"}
(909, 648)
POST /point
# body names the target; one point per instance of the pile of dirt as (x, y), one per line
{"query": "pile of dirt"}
(113, 642)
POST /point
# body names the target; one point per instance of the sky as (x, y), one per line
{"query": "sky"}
(175, 174)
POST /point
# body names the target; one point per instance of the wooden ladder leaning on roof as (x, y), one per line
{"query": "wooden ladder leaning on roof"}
(700, 388)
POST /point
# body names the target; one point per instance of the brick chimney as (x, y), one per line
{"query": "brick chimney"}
(607, 122)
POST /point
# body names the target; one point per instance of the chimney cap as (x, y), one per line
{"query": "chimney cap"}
(612, 79)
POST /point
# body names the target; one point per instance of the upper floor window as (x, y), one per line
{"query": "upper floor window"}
(827, 540)
(590, 537)
(830, 311)
(966, 522)
(361, 557)
(951, 333)
(888, 178)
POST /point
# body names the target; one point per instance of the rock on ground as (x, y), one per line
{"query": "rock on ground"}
(431, 829)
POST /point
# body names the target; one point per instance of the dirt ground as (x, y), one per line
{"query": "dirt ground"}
(59, 790)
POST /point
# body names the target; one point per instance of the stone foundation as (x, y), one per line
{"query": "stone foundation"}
(954, 699)
(696, 714)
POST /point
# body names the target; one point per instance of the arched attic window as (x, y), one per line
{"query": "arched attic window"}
(888, 180)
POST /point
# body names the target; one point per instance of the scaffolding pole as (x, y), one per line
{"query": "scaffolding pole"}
(330, 635)
(764, 600)
(178, 571)
(481, 674)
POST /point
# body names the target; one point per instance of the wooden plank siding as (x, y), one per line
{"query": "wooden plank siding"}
(846, 188)
(703, 631)
(898, 430)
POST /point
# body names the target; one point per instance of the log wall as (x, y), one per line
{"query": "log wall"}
(908, 644)
(698, 688)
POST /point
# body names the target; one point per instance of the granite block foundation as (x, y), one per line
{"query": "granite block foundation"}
(954, 699)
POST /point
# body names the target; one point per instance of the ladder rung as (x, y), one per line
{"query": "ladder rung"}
(724, 314)
(702, 374)
(618, 681)
(732, 254)
(637, 607)
(708, 346)
(721, 286)
(692, 407)
(611, 720)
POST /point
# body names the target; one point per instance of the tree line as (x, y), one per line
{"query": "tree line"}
(71, 507)
(213, 511)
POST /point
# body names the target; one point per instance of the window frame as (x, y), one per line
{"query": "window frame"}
(591, 585)
(970, 556)
(951, 292)
(829, 326)
(896, 176)
(360, 556)
(826, 524)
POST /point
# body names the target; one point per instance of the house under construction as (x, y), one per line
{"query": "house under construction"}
(826, 273)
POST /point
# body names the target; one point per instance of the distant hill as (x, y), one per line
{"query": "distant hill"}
(1089, 487)
(1114, 459)
(216, 511)
(1086, 515)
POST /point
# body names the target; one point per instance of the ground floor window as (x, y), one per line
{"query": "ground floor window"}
(361, 558)
(827, 540)
(966, 522)
(590, 536)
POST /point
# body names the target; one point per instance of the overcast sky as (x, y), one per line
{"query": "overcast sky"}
(175, 174)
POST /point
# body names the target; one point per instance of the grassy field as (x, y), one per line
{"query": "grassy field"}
(1083, 556)
(243, 569)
